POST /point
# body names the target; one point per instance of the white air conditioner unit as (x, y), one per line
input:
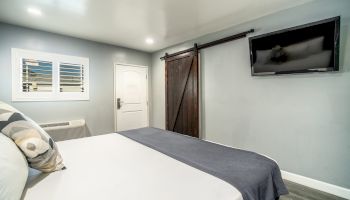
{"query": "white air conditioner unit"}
(66, 130)
(63, 125)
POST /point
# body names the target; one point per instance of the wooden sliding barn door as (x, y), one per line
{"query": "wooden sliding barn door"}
(182, 101)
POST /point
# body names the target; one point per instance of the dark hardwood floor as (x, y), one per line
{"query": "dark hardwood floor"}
(300, 192)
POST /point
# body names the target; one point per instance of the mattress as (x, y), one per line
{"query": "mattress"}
(114, 167)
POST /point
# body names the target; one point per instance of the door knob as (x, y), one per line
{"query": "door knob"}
(119, 103)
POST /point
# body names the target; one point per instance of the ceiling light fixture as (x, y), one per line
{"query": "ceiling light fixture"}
(34, 11)
(149, 40)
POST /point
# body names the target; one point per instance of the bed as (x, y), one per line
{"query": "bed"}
(114, 166)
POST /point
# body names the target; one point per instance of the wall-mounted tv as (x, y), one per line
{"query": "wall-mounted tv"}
(311, 47)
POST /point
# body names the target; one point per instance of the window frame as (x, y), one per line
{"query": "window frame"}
(55, 95)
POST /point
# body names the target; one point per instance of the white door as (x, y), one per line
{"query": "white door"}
(131, 97)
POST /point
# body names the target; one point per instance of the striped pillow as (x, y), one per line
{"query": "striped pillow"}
(37, 146)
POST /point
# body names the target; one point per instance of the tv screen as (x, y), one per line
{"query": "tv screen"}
(311, 47)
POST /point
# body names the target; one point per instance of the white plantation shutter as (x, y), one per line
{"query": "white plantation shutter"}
(40, 76)
(36, 76)
(71, 77)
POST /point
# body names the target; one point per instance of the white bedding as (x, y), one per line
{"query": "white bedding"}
(114, 167)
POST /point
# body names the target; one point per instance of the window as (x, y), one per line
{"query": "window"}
(39, 76)
(71, 77)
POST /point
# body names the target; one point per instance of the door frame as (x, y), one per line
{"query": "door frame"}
(116, 65)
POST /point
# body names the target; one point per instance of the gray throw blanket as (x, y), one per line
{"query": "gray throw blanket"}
(254, 175)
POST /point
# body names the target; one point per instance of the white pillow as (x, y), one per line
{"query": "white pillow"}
(305, 48)
(13, 170)
(315, 45)
(263, 56)
(296, 51)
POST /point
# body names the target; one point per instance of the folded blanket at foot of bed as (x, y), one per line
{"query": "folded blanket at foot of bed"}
(255, 176)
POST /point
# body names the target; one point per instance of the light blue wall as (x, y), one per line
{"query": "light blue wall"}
(301, 121)
(98, 112)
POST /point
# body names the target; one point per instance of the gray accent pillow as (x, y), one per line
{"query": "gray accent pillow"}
(39, 149)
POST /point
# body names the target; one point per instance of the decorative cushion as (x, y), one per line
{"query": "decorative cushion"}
(263, 56)
(13, 170)
(304, 49)
(37, 146)
(315, 45)
(296, 51)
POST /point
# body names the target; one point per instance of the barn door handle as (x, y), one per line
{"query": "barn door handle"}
(119, 103)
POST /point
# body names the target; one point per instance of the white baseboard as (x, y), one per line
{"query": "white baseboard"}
(318, 185)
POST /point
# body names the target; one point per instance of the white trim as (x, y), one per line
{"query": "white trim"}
(56, 59)
(114, 91)
(130, 65)
(318, 185)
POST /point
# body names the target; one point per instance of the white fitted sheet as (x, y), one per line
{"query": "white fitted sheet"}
(113, 167)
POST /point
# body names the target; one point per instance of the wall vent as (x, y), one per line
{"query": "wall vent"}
(54, 125)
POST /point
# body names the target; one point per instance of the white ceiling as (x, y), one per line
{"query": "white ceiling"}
(129, 22)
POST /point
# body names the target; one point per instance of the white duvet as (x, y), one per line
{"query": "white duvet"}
(113, 167)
